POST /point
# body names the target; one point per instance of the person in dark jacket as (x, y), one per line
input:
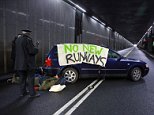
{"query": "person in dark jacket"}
(25, 52)
(13, 50)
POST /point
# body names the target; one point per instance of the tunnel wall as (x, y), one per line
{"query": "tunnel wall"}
(147, 41)
(95, 33)
(51, 22)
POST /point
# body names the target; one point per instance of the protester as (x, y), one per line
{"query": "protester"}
(13, 49)
(25, 52)
(61, 80)
(14, 78)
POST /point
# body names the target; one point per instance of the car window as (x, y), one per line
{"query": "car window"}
(112, 54)
(55, 53)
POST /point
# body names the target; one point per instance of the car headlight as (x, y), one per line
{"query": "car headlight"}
(146, 65)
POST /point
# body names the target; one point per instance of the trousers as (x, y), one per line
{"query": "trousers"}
(26, 81)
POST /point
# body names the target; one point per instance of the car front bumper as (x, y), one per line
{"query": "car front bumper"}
(145, 72)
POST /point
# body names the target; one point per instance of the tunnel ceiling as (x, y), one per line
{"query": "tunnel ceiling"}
(130, 18)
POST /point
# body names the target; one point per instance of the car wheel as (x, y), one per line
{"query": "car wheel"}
(136, 74)
(70, 74)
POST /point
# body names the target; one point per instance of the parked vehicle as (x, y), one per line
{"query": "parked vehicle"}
(116, 65)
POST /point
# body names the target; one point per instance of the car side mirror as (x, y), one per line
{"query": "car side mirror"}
(119, 58)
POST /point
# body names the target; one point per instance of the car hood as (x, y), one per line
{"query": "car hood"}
(131, 60)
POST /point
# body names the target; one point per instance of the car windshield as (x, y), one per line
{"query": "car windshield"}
(112, 54)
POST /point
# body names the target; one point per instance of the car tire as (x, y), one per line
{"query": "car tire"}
(136, 74)
(70, 74)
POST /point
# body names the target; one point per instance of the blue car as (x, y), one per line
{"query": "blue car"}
(116, 65)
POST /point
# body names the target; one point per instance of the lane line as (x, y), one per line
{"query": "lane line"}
(82, 99)
(129, 52)
(73, 99)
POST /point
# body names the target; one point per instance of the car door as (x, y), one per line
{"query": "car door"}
(115, 64)
(89, 68)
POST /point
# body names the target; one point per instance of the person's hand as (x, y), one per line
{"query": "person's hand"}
(56, 76)
(37, 43)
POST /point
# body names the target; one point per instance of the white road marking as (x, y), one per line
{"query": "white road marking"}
(73, 99)
(128, 52)
(82, 99)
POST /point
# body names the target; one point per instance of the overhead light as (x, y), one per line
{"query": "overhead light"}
(115, 32)
(109, 28)
(83, 10)
(150, 28)
(98, 20)
(95, 18)
(80, 8)
(103, 23)
(71, 2)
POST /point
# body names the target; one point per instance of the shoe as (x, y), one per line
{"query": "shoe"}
(36, 95)
(24, 94)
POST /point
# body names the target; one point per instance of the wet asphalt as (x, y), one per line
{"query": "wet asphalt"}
(114, 96)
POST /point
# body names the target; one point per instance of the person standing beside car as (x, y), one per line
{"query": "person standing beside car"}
(13, 54)
(13, 49)
(25, 52)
